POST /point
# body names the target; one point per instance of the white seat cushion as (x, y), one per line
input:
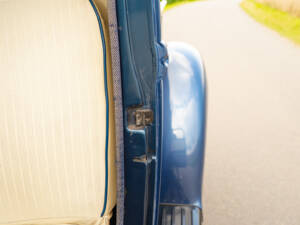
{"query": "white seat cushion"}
(55, 129)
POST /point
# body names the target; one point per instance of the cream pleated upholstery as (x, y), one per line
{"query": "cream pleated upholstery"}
(53, 117)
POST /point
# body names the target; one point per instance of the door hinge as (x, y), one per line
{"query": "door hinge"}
(139, 118)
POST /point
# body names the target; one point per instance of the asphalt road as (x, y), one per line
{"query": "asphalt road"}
(252, 168)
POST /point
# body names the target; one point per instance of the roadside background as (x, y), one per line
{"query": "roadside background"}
(252, 167)
(291, 6)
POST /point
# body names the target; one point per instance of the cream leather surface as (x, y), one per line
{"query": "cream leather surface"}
(53, 114)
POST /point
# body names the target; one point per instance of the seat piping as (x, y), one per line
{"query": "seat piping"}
(107, 103)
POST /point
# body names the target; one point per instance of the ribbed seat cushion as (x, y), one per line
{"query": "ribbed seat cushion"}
(56, 132)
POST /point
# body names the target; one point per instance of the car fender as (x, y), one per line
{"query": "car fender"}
(182, 130)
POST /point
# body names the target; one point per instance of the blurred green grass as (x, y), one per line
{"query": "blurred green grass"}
(172, 3)
(282, 22)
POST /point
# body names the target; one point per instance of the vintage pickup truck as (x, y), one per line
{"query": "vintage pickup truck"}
(100, 121)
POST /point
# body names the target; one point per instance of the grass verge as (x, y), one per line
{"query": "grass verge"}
(173, 4)
(282, 22)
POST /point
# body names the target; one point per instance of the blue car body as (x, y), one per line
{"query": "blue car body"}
(164, 156)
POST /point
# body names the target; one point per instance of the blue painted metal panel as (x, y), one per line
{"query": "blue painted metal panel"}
(183, 127)
(173, 145)
(141, 53)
